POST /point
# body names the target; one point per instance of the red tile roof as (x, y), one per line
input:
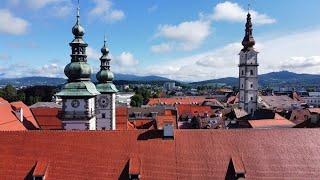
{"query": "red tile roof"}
(121, 117)
(271, 123)
(192, 154)
(8, 120)
(193, 110)
(314, 110)
(28, 120)
(179, 100)
(47, 118)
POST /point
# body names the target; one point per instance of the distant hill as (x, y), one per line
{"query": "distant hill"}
(282, 78)
(33, 81)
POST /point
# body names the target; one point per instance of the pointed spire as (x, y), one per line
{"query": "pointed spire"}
(77, 29)
(248, 41)
(105, 75)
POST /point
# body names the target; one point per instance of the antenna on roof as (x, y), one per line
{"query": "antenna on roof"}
(249, 6)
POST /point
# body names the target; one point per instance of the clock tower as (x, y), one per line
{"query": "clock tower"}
(78, 94)
(105, 102)
(248, 71)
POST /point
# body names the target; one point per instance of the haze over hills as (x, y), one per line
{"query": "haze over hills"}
(282, 78)
(33, 81)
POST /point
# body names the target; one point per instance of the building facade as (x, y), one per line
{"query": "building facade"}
(105, 102)
(78, 95)
(248, 71)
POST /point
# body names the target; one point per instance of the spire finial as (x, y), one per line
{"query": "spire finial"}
(78, 12)
(105, 39)
(248, 40)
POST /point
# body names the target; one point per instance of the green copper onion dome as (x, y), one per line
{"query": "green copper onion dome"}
(78, 70)
(105, 76)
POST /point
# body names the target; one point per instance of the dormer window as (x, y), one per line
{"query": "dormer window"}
(40, 170)
(134, 168)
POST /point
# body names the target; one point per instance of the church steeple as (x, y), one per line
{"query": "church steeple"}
(248, 41)
(105, 75)
(78, 69)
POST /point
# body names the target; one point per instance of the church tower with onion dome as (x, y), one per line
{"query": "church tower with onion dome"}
(78, 94)
(248, 71)
(105, 102)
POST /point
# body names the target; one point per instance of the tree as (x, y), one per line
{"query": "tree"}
(136, 100)
(10, 93)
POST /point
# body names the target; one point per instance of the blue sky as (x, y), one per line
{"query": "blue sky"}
(182, 40)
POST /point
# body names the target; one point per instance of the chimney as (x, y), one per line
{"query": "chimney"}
(168, 130)
(19, 113)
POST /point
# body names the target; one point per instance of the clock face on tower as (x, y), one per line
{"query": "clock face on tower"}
(103, 102)
(75, 103)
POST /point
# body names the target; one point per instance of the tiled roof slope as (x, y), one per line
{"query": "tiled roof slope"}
(47, 118)
(28, 120)
(180, 100)
(192, 154)
(8, 120)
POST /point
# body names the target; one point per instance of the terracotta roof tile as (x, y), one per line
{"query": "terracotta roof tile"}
(47, 118)
(314, 110)
(192, 154)
(121, 117)
(8, 120)
(271, 123)
(179, 100)
(29, 121)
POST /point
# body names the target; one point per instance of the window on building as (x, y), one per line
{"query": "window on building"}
(242, 72)
(242, 85)
(251, 85)
(251, 98)
(38, 177)
(103, 115)
(251, 72)
(103, 128)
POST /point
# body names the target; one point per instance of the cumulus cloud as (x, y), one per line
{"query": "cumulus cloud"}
(228, 11)
(37, 4)
(187, 35)
(163, 47)
(93, 54)
(10, 24)
(104, 9)
(126, 59)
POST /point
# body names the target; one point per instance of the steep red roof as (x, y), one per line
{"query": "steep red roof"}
(47, 118)
(28, 120)
(314, 110)
(192, 154)
(121, 117)
(193, 110)
(8, 120)
(271, 123)
(180, 100)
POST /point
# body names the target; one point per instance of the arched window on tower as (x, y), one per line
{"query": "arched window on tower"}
(251, 85)
(251, 72)
(242, 72)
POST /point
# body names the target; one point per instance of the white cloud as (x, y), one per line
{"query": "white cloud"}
(93, 54)
(104, 9)
(10, 24)
(48, 70)
(228, 11)
(160, 48)
(62, 10)
(297, 52)
(37, 4)
(187, 35)
(126, 59)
